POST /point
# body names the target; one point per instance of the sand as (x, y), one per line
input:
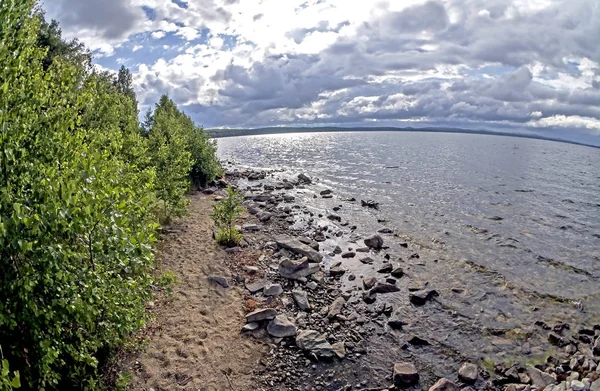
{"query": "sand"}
(196, 342)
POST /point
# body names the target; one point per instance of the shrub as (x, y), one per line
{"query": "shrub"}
(224, 214)
(8, 381)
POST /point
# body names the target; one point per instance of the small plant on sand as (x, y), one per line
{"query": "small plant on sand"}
(224, 214)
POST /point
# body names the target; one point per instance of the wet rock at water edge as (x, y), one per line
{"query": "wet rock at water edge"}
(326, 192)
(281, 327)
(335, 218)
(374, 242)
(367, 260)
(468, 373)
(348, 254)
(301, 299)
(303, 179)
(222, 281)
(384, 287)
(385, 231)
(337, 250)
(444, 385)
(369, 204)
(421, 297)
(369, 282)
(336, 271)
(297, 269)
(405, 374)
(272, 290)
(260, 315)
(315, 343)
(298, 247)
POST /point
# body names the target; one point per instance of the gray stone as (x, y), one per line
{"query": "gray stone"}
(444, 385)
(302, 178)
(367, 260)
(298, 247)
(405, 374)
(265, 216)
(336, 307)
(256, 286)
(395, 322)
(538, 378)
(262, 314)
(596, 348)
(251, 269)
(251, 326)
(222, 281)
(326, 192)
(340, 349)
(312, 341)
(468, 373)
(336, 271)
(273, 290)
(301, 299)
(422, 297)
(335, 218)
(337, 250)
(399, 273)
(577, 385)
(312, 285)
(374, 242)
(250, 227)
(297, 269)
(369, 282)
(384, 287)
(595, 385)
(348, 254)
(281, 327)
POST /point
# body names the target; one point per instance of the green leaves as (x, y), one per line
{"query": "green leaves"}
(224, 214)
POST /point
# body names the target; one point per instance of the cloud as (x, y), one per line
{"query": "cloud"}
(477, 63)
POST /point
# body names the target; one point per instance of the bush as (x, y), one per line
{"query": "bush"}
(224, 214)
(8, 381)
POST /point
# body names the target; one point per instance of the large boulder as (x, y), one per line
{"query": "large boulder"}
(281, 327)
(297, 269)
(375, 242)
(313, 342)
(298, 247)
(405, 374)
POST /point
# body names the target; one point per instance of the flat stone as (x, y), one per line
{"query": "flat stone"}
(444, 385)
(348, 254)
(374, 242)
(367, 260)
(386, 269)
(251, 326)
(399, 273)
(468, 373)
(260, 315)
(222, 281)
(298, 247)
(336, 271)
(339, 349)
(539, 379)
(297, 269)
(250, 227)
(301, 299)
(384, 287)
(281, 327)
(256, 286)
(312, 341)
(273, 290)
(336, 307)
(405, 374)
(369, 282)
(363, 250)
(265, 216)
(312, 285)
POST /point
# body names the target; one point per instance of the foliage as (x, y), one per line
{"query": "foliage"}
(8, 381)
(224, 214)
(78, 186)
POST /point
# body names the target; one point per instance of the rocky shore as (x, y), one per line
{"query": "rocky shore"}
(319, 317)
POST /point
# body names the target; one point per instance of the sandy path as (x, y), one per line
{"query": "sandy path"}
(197, 344)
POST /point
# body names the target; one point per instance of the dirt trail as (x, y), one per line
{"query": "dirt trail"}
(197, 343)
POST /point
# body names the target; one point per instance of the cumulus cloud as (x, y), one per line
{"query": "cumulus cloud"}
(487, 63)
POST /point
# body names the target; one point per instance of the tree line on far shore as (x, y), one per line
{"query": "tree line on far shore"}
(83, 189)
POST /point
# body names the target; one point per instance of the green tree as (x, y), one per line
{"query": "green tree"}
(224, 214)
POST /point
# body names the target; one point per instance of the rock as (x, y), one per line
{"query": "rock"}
(265, 216)
(263, 197)
(386, 269)
(369, 204)
(312, 285)
(369, 282)
(596, 348)
(335, 218)
(250, 227)
(595, 385)
(301, 299)
(326, 192)
(273, 290)
(405, 374)
(385, 231)
(383, 287)
(468, 373)
(222, 281)
(362, 249)
(349, 254)
(336, 271)
(421, 297)
(538, 378)
(417, 341)
(251, 326)
(337, 250)
(398, 272)
(297, 269)
(395, 322)
(557, 340)
(367, 260)
(339, 349)
(577, 385)
(256, 286)
(281, 327)
(296, 246)
(304, 179)
(251, 269)
(444, 385)
(336, 307)
(374, 242)
(259, 315)
(312, 341)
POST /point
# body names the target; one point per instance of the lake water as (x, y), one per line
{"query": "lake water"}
(515, 222)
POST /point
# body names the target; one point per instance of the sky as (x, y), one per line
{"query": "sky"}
(525, 66)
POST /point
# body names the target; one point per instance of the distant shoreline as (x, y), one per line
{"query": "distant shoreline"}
(223, 133)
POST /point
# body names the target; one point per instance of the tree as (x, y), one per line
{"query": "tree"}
(125, 84)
